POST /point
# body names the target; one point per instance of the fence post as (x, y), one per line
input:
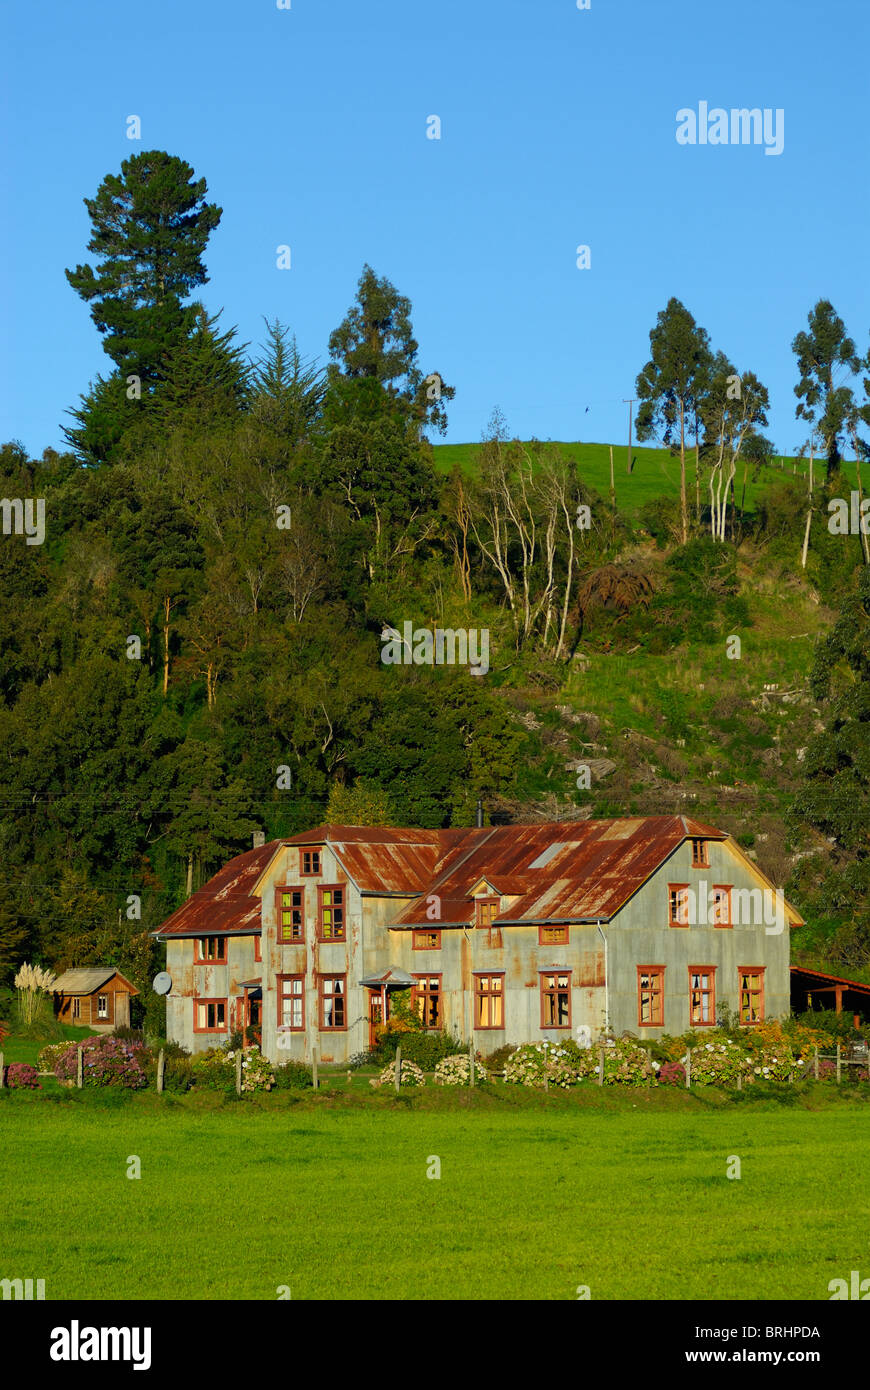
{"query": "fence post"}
(80, 1067)
(688, 1068)
(740, 1081)
(471, 1063)
(397, 1077)
(839, 1065)
(314, 1067)
(601, 1064)
(161, 1069)
(2, 1073)
(816, 1063)
(238, 1073)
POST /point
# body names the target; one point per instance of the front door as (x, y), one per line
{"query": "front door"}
(376, 1012)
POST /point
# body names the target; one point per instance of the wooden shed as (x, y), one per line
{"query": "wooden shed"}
(94, 998)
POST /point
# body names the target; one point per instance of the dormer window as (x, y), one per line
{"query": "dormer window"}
(486, 911)
(700, 857)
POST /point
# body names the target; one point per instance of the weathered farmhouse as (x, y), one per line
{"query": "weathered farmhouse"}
(505, 934)
(96, 998)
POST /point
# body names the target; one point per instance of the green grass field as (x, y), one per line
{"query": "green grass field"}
(655, 472)
(625, 1192)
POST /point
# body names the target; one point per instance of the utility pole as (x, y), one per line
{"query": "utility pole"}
(629, 403)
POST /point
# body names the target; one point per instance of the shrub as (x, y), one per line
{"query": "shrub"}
(454, 1071)
(107, 1061)
(4, 1030)
(426, 1049)
(178, 1072)
(411, 1075)
(671, 1074)
(48, 1056)
(293, 1076)
(21, 1077)
(496, 1061)
(217, 1067)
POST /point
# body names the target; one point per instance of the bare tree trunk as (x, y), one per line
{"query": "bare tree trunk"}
(806, 539)
(684, 509)
(167, 609)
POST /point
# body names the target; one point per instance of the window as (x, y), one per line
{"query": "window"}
(330, 914)
(102, 1006)
(291, 1002)
(700, 858)
(258, 954)
(290, 914)
(427, 941)
(678, 904)
(489, 1001)
(209, 1015)
(702, 996)
(751, 994)
(333, 1014)
(212, 949)
(556, 999)
(426, 999)
(76, 1007)
(309, 861)
(721, 916)
(651, 996)
(552, 936)
(486, 911)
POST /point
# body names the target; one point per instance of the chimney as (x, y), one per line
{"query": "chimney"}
(259, 838)
(478, 819)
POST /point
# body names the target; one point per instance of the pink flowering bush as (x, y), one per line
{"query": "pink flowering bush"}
(107, 1062)
(21, 1077)
(672, 1074)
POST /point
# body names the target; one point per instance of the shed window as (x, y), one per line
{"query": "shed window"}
(650, 996)
(489, 1001)
(102, 1006)
(702, 996)
(209, 1015)
(556, 999)
(291, 1002)
(426, 999)
(310, 861)
(212, 949)
(290, 914)
(751, 994)
(330, 913)
(333, 1014)
(77, 1007)
(678, 904)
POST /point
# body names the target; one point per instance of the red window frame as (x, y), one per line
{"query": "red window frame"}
(673, 907)
(217, 1027)
(704, 993)
(333, 907)
(426, 998)
(485, 912)
(221, 959)
(552, 935)
(324, 997)
(489, 993)
(700, 854)
(746, 993)
(290, 889)
(651, 983)
(293, 995)
(309, 862)
(551, 995)
(419, 945)
(726, 889)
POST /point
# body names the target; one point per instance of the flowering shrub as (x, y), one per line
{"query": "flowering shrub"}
(20, 1077)
(671, 1074)
(720, 1062)
(411, 1075)
(453, 1071)
(107, 1061)
(545, 1063)
(217, 1067)
(49, 1055)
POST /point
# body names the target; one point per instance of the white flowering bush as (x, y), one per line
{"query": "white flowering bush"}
(453, 1071)
(720, 1063)
(545, 1063)
(217, 1067)
(411, 1076)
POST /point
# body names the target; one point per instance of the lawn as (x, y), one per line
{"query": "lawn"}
(16, 1048)
(623, 1191)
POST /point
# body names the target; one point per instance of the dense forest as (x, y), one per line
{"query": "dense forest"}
(194, 653)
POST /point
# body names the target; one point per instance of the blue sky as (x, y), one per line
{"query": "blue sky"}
(558, 128)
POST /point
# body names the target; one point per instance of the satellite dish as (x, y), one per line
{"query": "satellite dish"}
(162, 983)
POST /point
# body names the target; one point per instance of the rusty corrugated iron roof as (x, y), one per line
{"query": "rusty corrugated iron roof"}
(224, 905)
